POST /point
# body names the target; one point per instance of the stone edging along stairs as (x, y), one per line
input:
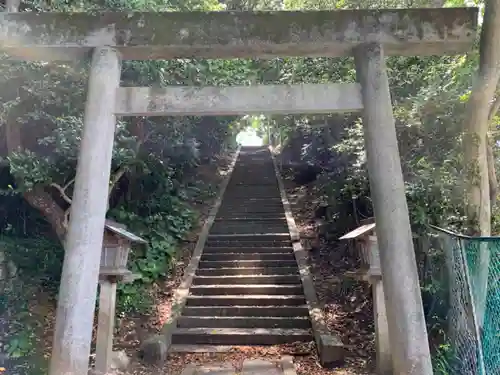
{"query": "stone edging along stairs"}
(248, 282)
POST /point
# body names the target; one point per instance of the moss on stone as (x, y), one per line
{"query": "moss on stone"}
(262, 31)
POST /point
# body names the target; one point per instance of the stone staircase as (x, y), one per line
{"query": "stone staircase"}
(247, 289)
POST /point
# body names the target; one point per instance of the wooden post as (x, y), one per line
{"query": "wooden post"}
(78, 290)
(12, 5)
(407, 329)
(382, 342)
(105, 326)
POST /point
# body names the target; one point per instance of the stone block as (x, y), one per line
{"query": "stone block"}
(260, 367)
(331, 350)
(287, 365)
(216, 369)
(154, 349)
(119, 360)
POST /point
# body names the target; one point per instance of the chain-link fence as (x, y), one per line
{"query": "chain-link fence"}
(460, 279)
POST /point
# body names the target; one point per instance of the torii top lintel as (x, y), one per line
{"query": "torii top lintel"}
(150, 36)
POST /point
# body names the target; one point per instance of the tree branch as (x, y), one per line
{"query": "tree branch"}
(62, 192)
(116, 177)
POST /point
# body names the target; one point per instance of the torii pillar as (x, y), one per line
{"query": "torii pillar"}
(80, 274)
(407, 329)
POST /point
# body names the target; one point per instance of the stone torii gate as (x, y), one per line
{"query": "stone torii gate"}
(368, 35)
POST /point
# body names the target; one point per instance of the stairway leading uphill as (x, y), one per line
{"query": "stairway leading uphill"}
(247, 289)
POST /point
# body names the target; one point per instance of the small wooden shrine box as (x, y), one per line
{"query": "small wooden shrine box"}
(365, 242)
(367, 246)
(116, 248)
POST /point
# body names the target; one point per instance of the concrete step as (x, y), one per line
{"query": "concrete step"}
(250, 237)
(262, 230)
(252, 201)
(273, 198)
(251, 208)
(255, 200)
(239, 336)
(254, 244)
(245, 311)
(263, 227)
(270, 219)
(270, 197)
(223, 216)
(248, 256)
(277, 219)
(243, 322)
(200, 349)
(246, 289)
(249, 223)
(249, 240)
(246, 300)
(249, 213)
(247, 263)
(253, 178)
(254, 250)
(244, 203)
(245, 221)
(248, 271)
(241, 229)
(243, 184)
(246, 279)
(229, 215)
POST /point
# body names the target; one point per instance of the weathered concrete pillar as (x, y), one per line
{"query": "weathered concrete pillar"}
(407, 330)
(78, 290)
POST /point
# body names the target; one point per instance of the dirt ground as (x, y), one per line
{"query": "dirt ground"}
(347, 303)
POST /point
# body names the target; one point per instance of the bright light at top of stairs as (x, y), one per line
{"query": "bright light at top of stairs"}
(249, 138)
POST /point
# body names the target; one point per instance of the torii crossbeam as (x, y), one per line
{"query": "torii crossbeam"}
(226, 35)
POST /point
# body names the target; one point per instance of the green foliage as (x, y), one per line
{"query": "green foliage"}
(163, 217)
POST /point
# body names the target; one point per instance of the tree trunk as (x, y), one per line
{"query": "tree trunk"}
(476, 142)
(40, 199)
(492, 174)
